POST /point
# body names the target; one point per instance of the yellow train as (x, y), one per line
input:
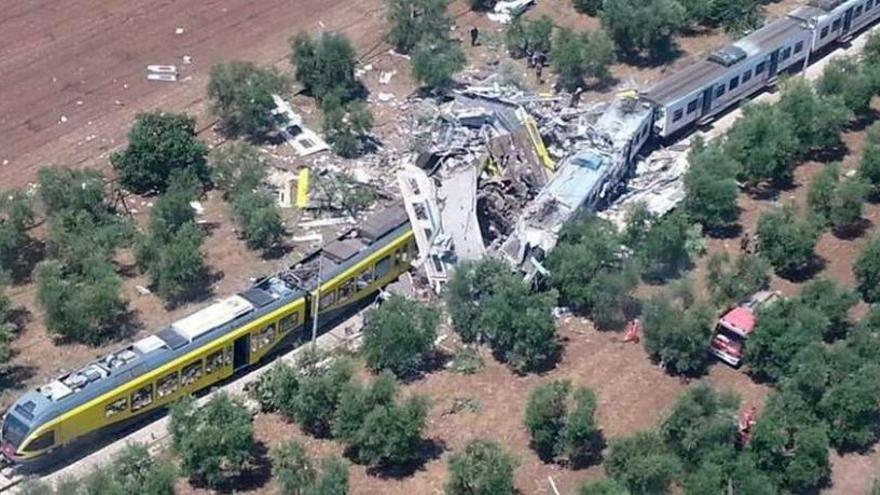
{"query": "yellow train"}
(212, 344)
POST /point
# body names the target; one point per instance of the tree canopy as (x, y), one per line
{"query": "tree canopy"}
(730, 280)
(764, 144)
(241, 97)
(325, 65)
(710, 188)
(782, 330)
(436, 61)
(412, 21)
(215, 442)
(299, 475)
(580, 56)
(399, 334)
(642, 463)
(159, 144)
(787, 241)
(677, 336)
(640, 26)
(482, 468)
(561, 422)
(867, 271)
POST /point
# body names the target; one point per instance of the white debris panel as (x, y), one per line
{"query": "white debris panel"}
(290, 124)
(506, 11)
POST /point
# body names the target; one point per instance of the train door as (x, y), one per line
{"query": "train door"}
(773, 66)
(241, 351)
(707, 100)
(847, 20)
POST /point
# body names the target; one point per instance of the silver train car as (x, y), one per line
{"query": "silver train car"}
(701, 91)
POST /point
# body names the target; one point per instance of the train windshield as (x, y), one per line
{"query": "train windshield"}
(14, 430)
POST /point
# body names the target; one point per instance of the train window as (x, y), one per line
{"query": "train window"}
(858, 11)
(288, 323)
(116, 407)
(215, 361)
(746, 76)
(191, 373)
(267, 335)
(836, 25)
(692, 106)
(346, 290)
(142, 397)
(383, 267)
(785, 53)
(328, 299)
(734, 83)
(42, 442)
(677, 115)
(760, 68)
(798, 46)
(167, 385)
(869, 5)
(824, 33)
(365, 278)
(719, 91)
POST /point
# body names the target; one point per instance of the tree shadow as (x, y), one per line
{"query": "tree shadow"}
(828, 155)
(649, 60)
(436, 360)
(200, 292)
(727, 232)
(429, 450)
(816, 265)
(276, 251)
(256, 476)
(31, 253)
(595, 458)
(854, 231)
(862, 122)
(15, 377)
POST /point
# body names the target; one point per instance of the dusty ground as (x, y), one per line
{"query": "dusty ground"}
(85, 60)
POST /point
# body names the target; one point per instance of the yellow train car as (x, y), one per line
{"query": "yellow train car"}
(212, 344)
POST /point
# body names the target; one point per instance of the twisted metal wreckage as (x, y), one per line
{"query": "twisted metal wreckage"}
(503, 171)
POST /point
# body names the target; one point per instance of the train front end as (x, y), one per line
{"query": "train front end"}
(18, 442)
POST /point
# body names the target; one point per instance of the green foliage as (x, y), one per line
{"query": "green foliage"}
(869, 165)
(838, 203)
(435, 62)
(276, 389)
(545, 416)
(412, 21)
(677, 338)
(298, 476)
(398, 335)
(821, 192)
(817, 121)
(524, 37)
(710, 189)
(764, 144)
(790, 445)
(357, 401)
(391, 434)
(347, 126)
(786, 241)
(239, 168)
(733, 15)
(159, 144)
(588, 270)
(577, 56)
(325, 66)
(16, 216)
(731, 280)
(851, 410)
(851, 81)
(783, 329)
(490, 303)
(831, 300)
(482, 468)
(590, 7)
(241, 97)
(314, 403)
(214, 442)
(76, 237)
(703, 421)
(467, 361)
(66, 189)
(642, 463)
(643, 26)
(257, 219)
(170, 252)
(602, 487)
(82, 305)
(867, 271)
(580, 439)
(663, 252)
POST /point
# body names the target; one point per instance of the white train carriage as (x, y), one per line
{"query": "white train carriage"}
(733, 73)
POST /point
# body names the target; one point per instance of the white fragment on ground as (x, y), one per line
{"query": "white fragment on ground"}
(385, 96)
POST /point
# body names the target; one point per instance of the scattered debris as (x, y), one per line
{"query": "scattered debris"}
(179, 30)
(291, 126)
(162, 69)
(508, 10)
(385, 77)
(311, 237)
(63, 119)
(385, 97)
(419, 199)
(197, 207)
(326, 222)
(142, 290)
(162, 77)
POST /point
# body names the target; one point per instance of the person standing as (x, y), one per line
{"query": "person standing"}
(475, 33)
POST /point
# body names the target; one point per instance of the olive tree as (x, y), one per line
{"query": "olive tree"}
(482, 468)
(16, 217)
(325, 66)
(764, 144)
(412, 21)
(240, 94)
(710, 188)
(783, 329)
(580, 56)
(730, 280)
(867, 271)
(643, 26)
(869, 165)
(215, 442)
(435, 62)
(786, 241)
(642, 463)
(159, 144)
(677, 338)
(702, 421)
(399, 334)
(298, 475)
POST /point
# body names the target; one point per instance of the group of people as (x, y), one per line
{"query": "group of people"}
(537, 59)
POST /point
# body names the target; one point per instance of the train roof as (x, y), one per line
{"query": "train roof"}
(207, 324)
(701, 74)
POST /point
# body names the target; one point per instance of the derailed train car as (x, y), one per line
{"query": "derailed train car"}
(735, 72)
(212, 344)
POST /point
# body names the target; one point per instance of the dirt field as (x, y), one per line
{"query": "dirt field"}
(85, 60)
